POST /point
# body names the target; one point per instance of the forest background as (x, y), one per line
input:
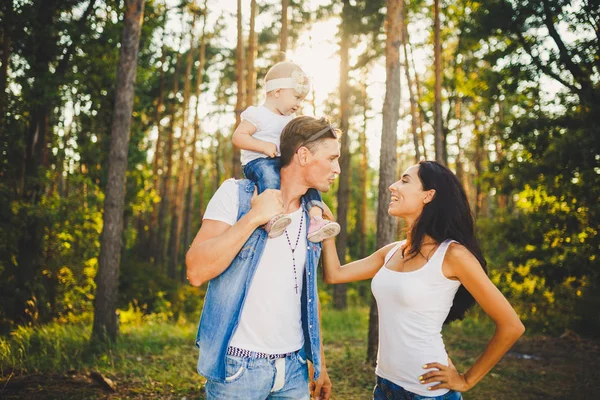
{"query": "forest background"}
(116, 119)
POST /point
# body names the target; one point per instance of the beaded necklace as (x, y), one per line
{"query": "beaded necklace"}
(294, 250)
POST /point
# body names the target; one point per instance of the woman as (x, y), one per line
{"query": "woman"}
(431, 277)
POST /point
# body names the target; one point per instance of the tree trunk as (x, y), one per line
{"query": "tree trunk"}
(283, 36)
(478, 161)
(157, 162)
(239, 105)
(251, 71)
(4, 57)
(218, 158)
(165, 183)
(190, 180)
(35, 159)
(409, 83)
(105, 307)
(339, 291)
(459, 154)
(439, 139)
(179, 195)
(388, 157)
(419, 92)
(364, 172)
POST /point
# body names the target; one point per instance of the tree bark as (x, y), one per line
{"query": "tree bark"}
(105, 318)
(190, 180)
(459, 152)
(364, 172)
(157, 162)
(179, 195)
(339, 291)
(251, 71)
(479, 167)
(439, 139)
(283, 36)
(409, 83)
(165, 184)
(239, 105)
(388, 157)
(419, 92)
(4, 57)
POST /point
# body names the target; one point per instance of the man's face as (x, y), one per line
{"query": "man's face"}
(323, 165)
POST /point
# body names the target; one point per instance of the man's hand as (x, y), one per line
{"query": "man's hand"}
(321, 388)
(267, 205)
(270, 149)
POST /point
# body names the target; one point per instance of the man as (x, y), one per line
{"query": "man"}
(260, 321)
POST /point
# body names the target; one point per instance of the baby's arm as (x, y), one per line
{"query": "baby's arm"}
(242, 138)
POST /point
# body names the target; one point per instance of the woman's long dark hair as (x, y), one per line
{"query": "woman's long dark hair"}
(447, 216)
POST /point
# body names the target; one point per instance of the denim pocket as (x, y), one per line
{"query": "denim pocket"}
(234, 368)
(301, 358)
(452, 395)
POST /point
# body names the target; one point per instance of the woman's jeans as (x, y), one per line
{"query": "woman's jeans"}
(386, 390)
(264, 172)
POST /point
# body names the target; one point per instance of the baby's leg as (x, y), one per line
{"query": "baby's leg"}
(264, 172)
(315, 203)
(319, 228)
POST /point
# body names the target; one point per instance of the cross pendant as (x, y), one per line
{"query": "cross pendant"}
(296, 287)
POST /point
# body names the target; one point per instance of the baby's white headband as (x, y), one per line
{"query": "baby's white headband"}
(299, 81)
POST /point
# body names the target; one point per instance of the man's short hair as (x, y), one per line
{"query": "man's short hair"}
(305, 131)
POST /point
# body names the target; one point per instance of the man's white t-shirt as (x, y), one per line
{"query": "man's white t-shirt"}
(270, 321)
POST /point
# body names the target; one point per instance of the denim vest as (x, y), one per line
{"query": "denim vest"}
(226, 294)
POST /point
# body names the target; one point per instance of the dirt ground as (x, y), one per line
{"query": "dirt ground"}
(537, 368)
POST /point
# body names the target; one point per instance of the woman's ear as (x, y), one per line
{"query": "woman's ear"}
(429, 196)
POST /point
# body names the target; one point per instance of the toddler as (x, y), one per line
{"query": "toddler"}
(258, 138)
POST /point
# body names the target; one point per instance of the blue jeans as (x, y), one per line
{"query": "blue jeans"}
(386, 390)
(265, 173)
(261, 378)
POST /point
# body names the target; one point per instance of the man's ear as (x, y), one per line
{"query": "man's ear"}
(303, 155)
(429, 196)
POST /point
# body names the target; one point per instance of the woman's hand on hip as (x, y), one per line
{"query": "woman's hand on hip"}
(447, 376)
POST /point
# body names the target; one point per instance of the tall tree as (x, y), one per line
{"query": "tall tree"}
(364, 170)
(179, 195)
(419, 93)
(388, 157)
(239, 105)
(165, 184)
(190, 182)
(437, 54)
(283, 35)
(6, 11)
(48, 63)
(409, 84)
(339, 291)
(157, 162)
(251, 70)
(105, 317)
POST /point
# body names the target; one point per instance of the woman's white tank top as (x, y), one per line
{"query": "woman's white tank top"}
(412, 309)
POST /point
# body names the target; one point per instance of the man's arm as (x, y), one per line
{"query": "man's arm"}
(217, 243)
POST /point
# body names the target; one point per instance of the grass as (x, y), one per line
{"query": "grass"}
(157, 359)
